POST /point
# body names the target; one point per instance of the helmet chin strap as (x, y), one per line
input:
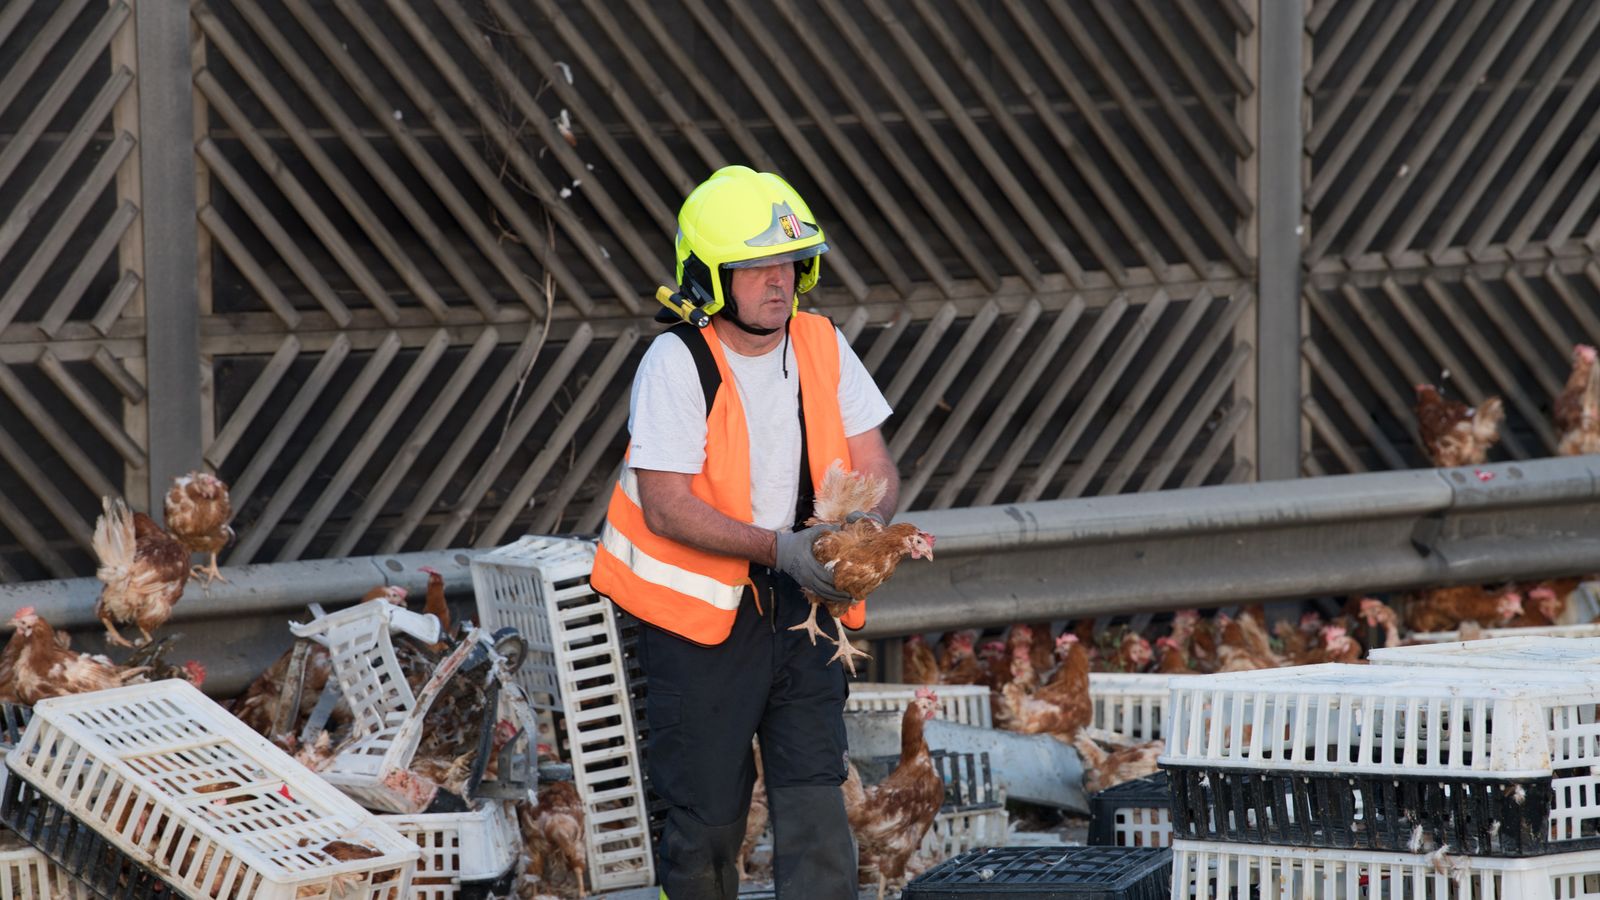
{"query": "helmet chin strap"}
(731, 310)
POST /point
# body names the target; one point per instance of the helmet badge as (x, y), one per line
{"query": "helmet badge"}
(785, 227)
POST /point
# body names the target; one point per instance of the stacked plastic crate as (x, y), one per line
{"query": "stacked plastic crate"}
(576, 673)
(1373, 781)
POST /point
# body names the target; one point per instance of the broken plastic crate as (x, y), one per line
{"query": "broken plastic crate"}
(1134, 813)
(152, 785)
(966, 704)
(1206, 870)
(465, 856)
(373, 763)
(1385, 758)
(1048, 873)
(575, 667)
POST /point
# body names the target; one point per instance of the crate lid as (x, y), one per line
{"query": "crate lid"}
(1112, 873)
(1416, 681)
(1524, 652)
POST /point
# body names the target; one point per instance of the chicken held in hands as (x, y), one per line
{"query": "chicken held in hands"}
(1453, 433)
(860, 555)
(197, 512)
(42, 668)
(1577, 409)
(891, 818)
(144, 570)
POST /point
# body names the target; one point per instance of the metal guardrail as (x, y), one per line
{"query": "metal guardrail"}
(1230, 544)
(1048, 560)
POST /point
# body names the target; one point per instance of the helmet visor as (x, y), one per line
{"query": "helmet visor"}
(778, 258)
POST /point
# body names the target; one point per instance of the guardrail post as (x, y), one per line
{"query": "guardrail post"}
(171, 242)
(1279, 233)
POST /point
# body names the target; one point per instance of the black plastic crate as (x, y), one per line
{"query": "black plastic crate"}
(968, 779)
(79, 850)
(1049, 873)
(1142, 807)
(14, 718)
(489, 889)
(1505, 817)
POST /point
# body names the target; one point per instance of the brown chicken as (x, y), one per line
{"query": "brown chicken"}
(257, 705)
(42, 668)
(1443, 609)
(1102, 769)
(891, 818)
(1577, 409)
(1298, 639)
(861, 554)
(1201, 636)
(959, 664)
(1378, 614)
(1042, 652)
(1453, 433)
(434, 604)
(143, 568)
(1244, 646)
(198, 511)
(1170, 658)
(1061, 706)
(1546, 602)
(1337, 647)
(917, 661)
(995, 665)
(552, 838)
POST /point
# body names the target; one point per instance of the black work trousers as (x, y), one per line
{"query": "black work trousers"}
(704, 704)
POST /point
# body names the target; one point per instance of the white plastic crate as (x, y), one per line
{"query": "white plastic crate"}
(457, 848)
(967, 704)
(166, 779)
(1130, 705)
(27, 874)
(1562, 631)
(1206, 870)
(957, 831)
(371, 765)
(546, 580)
(1536, 653)
(1449, 724)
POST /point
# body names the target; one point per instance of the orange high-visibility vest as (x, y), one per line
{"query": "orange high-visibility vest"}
(689, 592)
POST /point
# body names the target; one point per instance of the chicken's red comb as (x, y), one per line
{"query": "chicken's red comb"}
(926, 693)
(25, 611)
(1066, 637)
(428, 569)
(197, 672)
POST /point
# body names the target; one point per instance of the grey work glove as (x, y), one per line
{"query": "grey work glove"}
(859, 515)
(795, 559)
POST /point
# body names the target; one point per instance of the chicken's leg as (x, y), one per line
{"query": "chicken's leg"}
(113, 636)
(809, 626)
(214, 573)
(845, 651)
(883, 884)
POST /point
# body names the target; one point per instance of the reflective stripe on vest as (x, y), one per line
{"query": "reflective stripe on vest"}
(689, 592)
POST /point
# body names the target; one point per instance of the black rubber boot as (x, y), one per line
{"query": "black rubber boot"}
(699, 862)
(814, 853)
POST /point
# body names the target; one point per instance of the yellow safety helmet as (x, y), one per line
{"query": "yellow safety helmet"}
(741, 218)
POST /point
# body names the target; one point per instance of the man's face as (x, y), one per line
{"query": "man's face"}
(765, 294)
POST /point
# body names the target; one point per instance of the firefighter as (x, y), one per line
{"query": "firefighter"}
(731, 428)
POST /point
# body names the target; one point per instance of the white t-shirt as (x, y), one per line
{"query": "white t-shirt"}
(667, 417)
